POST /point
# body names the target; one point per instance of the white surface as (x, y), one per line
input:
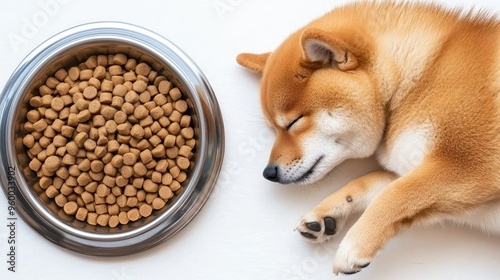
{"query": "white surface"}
(245, 229)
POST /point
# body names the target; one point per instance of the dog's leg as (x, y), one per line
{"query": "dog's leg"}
(426, 194)
(330, 215)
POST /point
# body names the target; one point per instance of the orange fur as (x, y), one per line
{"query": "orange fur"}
(414, 83)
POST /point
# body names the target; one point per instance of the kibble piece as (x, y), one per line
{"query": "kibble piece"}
(164, 87)
(115, 70)
(57, 104)
(92, 218)
(165, 192)
(86, 74)
(102, 190)
(185, 151)
(181, 106)
(174, 128)
(140, 169)
(175, 94)
(70, 207)
(158, 203)
(145, 210)
(51, 192)
(123, 218)
(90, 92)
(130, 190)
(52, 163)
(40, 125)
(120, 90)
(113, 221)
(141, 112)
(142, 69)
(81, 214)
(183, 163)
(133, 214)
(139, 86)
(103, 219)
(60, 200)
(129, 159)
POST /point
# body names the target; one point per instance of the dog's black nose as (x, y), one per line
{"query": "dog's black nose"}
(271, 173)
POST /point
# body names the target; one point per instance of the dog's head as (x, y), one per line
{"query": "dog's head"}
(320, 97)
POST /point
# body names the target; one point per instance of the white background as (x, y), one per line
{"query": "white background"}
(245, 229)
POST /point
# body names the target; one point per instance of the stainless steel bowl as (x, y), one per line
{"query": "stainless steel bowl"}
(67, 49)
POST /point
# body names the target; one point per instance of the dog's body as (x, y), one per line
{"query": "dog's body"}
(415, 84)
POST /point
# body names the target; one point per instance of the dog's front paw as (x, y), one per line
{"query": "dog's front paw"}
(320, 224)
(348, 260)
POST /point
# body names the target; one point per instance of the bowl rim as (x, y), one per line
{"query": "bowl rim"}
(204, 175)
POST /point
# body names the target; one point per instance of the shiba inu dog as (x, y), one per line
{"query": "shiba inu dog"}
(415, 84)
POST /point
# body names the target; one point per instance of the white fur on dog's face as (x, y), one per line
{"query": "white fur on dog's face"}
(335, 138)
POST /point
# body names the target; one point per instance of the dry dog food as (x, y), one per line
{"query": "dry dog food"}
(109, 139)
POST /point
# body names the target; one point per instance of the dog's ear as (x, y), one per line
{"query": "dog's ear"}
(323, 48)
(255, 62)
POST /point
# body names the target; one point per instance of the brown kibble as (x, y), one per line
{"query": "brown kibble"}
(175, 116)
(175, 94)
(70, 207)
(156, 113)
(129, 159)
(103, 219)
(52, 163)
(61, 74)
(81, 214)
(123, 218)
(161, 166)
(165, 192)
(103, 190)
(33, 116)
(86, 74)
(133, 214)
(142, 69)
(94, 106)
(185, 121)
(174, 128)
(120, 90)
(40, 125)
(51, 192)
(90, 92)
(175, 186)
(185, 151)
(120, 59)
(158, 203)
(140, 169)
(174, 171)
(92, 218)
(141, 112)
(146, 156)
(113, 221)
(107, 138)
(115, 70)
(105, 97)
(139, 86)
(150, 186)
(164, 87)
(181, 106)
(183, 163)
(57, 104)
(127, 171)
(137, 131)
(145, 210)
(187, 133)
(169, 141)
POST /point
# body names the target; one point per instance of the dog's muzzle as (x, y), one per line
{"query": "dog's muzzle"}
(271, 173)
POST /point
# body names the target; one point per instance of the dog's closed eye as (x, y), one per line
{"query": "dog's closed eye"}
(293, 122)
